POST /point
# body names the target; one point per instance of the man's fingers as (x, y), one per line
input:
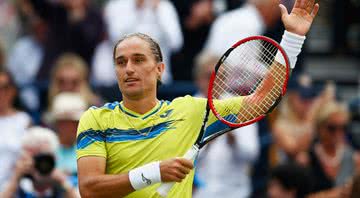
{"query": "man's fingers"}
(185, 162)
(176, 179)
(184, 169)
(315, 10)
(297, 4)
(283, 10)
(180, 175)
(309, 6)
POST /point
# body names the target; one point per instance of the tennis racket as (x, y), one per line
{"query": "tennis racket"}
(247, 83)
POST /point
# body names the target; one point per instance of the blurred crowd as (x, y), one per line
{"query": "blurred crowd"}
(56, 62)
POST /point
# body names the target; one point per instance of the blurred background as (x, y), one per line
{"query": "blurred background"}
(56, 61)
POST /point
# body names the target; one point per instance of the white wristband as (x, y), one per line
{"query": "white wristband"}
(292, 44)
(145, 176)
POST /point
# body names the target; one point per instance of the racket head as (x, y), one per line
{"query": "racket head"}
(261, 51)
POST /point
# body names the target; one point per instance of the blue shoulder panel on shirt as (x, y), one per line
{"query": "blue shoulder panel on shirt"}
(111, 106)
(108, 105)
(90, 136)
(217, 126)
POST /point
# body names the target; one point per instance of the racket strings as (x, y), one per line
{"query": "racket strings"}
(251, 75)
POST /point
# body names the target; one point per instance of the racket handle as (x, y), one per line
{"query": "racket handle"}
(164, 189)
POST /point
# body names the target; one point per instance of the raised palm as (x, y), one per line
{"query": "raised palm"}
(301, 17)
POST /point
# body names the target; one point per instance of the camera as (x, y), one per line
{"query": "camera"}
(44, 163)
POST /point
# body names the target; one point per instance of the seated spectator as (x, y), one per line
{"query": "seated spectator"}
(74, 26)
(9, 24)
(156, 18)
(196, 17)
(289, 181)
(65, 113)
(229, 156)
(25, 60)
(13, 124)
(251, 19)
(70, 74)
(35, 174)
(293, 129)
(332, 160)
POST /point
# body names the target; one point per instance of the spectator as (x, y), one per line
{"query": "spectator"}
(293, 129)
(25, 60)
(74, 26)
(35, 175)
(251, 19)
(13, 125)
(289, 181)
(157, 18)
(332, 160)
(9, 24)
(236, 150)
(65, 114)
(196, 17)
(70, 74)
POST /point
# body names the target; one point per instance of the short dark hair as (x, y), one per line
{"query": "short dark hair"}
(154, 46)
(293, 177)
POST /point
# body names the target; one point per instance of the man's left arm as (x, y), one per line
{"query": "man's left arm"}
(297, 25)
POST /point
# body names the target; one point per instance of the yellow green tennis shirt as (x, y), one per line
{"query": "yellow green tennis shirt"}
(128, 140)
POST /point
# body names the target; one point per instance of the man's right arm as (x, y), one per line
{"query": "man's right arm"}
(93, 182)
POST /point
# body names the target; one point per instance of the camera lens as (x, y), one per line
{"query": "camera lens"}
(44, 163)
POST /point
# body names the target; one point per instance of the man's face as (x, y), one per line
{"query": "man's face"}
(136, 68)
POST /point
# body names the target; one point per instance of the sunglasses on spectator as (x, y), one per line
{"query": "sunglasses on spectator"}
(65, 80)
(336, 127)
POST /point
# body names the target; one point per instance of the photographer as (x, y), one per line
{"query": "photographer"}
(35, 174)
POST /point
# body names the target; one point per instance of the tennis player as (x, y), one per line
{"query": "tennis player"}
(125, 149)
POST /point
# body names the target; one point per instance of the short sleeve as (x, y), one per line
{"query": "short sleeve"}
(90, 140)
(214, 125)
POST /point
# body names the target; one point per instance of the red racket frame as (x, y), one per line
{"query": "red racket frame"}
(212, 78)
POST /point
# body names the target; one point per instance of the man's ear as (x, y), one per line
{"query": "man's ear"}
(160, 67)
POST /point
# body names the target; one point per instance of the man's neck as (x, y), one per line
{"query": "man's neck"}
(141, 105)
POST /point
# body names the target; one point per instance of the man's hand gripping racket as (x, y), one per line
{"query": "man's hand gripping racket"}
(248, 82)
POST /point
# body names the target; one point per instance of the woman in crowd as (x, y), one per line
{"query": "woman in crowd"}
(13, 125)
(293, 129)
(332, 160)
(70, 74)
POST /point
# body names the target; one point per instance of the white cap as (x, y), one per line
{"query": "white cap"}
(68, 106)
(44, 139)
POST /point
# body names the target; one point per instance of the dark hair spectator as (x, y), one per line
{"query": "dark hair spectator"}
(13, 125)
(74, 26)
(289, 180)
